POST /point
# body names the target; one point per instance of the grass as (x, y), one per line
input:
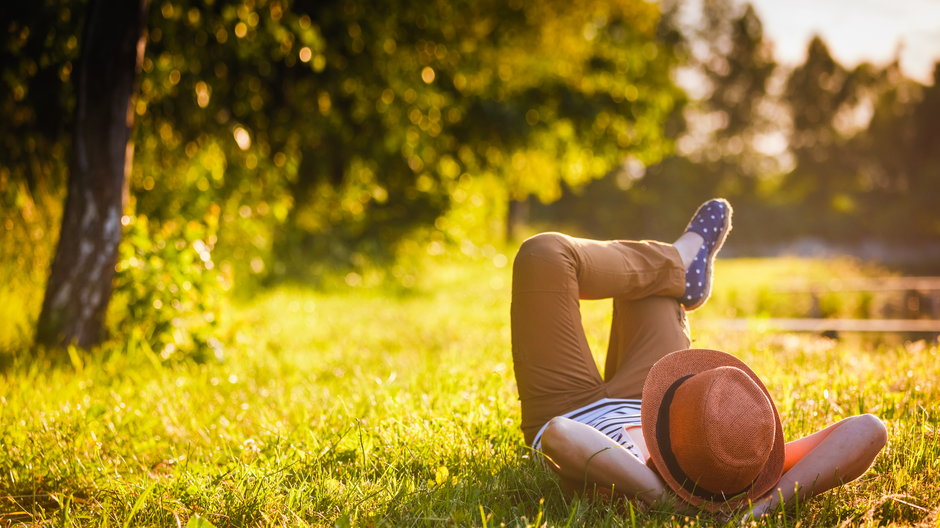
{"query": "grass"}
(360, 407)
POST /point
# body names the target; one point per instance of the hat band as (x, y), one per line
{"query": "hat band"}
(669, 457)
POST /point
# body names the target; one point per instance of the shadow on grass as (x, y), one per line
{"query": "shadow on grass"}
(33, 503)
(523, 494)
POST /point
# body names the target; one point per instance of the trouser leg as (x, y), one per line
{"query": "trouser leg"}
(554, 369)
(642, 331)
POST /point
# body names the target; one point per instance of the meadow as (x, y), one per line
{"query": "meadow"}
(369, 406)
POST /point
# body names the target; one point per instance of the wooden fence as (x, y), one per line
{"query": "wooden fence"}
(919, 313)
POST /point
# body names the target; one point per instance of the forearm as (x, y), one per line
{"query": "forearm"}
(584, 454)
(838, 454)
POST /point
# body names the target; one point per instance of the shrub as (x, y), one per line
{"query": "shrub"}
(169, 295)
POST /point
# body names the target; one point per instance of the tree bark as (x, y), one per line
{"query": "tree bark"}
(80, 280)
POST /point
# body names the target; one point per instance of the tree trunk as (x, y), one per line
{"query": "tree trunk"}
(80, 280)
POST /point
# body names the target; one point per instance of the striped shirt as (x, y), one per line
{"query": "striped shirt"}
(609, 416)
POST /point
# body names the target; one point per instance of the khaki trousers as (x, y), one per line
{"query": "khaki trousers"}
(555, 372)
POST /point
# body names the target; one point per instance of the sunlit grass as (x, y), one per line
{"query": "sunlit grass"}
(360, 407)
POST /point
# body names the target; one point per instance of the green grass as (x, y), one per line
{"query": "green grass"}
(360, 407)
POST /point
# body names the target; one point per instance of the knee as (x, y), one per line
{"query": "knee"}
(543, 246)
(872, 429)
(555, 436)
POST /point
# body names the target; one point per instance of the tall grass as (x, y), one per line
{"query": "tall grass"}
(361, 407)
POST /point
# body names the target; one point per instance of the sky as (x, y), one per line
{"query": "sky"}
(857, 30)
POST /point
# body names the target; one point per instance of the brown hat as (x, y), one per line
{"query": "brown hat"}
(712, 430)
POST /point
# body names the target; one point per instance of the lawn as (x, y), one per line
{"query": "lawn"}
(357, 406)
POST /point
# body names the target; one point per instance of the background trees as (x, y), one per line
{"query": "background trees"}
(321, 133)
(352, 124)
(818, 153)
(288, 139)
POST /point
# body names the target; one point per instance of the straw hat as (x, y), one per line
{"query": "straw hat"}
(712, 430)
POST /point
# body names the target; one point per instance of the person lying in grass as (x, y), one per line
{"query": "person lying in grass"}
(666, 422)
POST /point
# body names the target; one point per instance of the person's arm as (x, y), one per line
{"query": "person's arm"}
(583, 455)
(823, 460)
(797, 449)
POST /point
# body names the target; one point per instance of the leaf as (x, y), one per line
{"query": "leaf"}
(138, 504)
(199, 522)
(441, 475)
(343, 521)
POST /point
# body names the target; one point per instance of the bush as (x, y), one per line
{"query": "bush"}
(169, 296)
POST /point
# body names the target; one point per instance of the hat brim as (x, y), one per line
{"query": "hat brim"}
(661, 377)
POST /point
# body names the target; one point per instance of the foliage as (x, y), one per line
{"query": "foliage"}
(26, 254)
(821, 155)
(898, 161)
(331, 139)
(37, 45)
(322, 134)
(362, 408)
(169, 297)
(729, 66)
(353, 123)
(858, 138)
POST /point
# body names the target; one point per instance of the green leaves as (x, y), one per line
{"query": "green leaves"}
(324, 90)
(169, 296)
(199, 522)
(346, 127)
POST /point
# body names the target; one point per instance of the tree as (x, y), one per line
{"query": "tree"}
(317, 131)
(924, 185)
(80, 281)
(739, 76)
(37, 47)
(824, 98)
(378, 112)
(897, 159)
(732, 64)
(571, 106)
(739, 110)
